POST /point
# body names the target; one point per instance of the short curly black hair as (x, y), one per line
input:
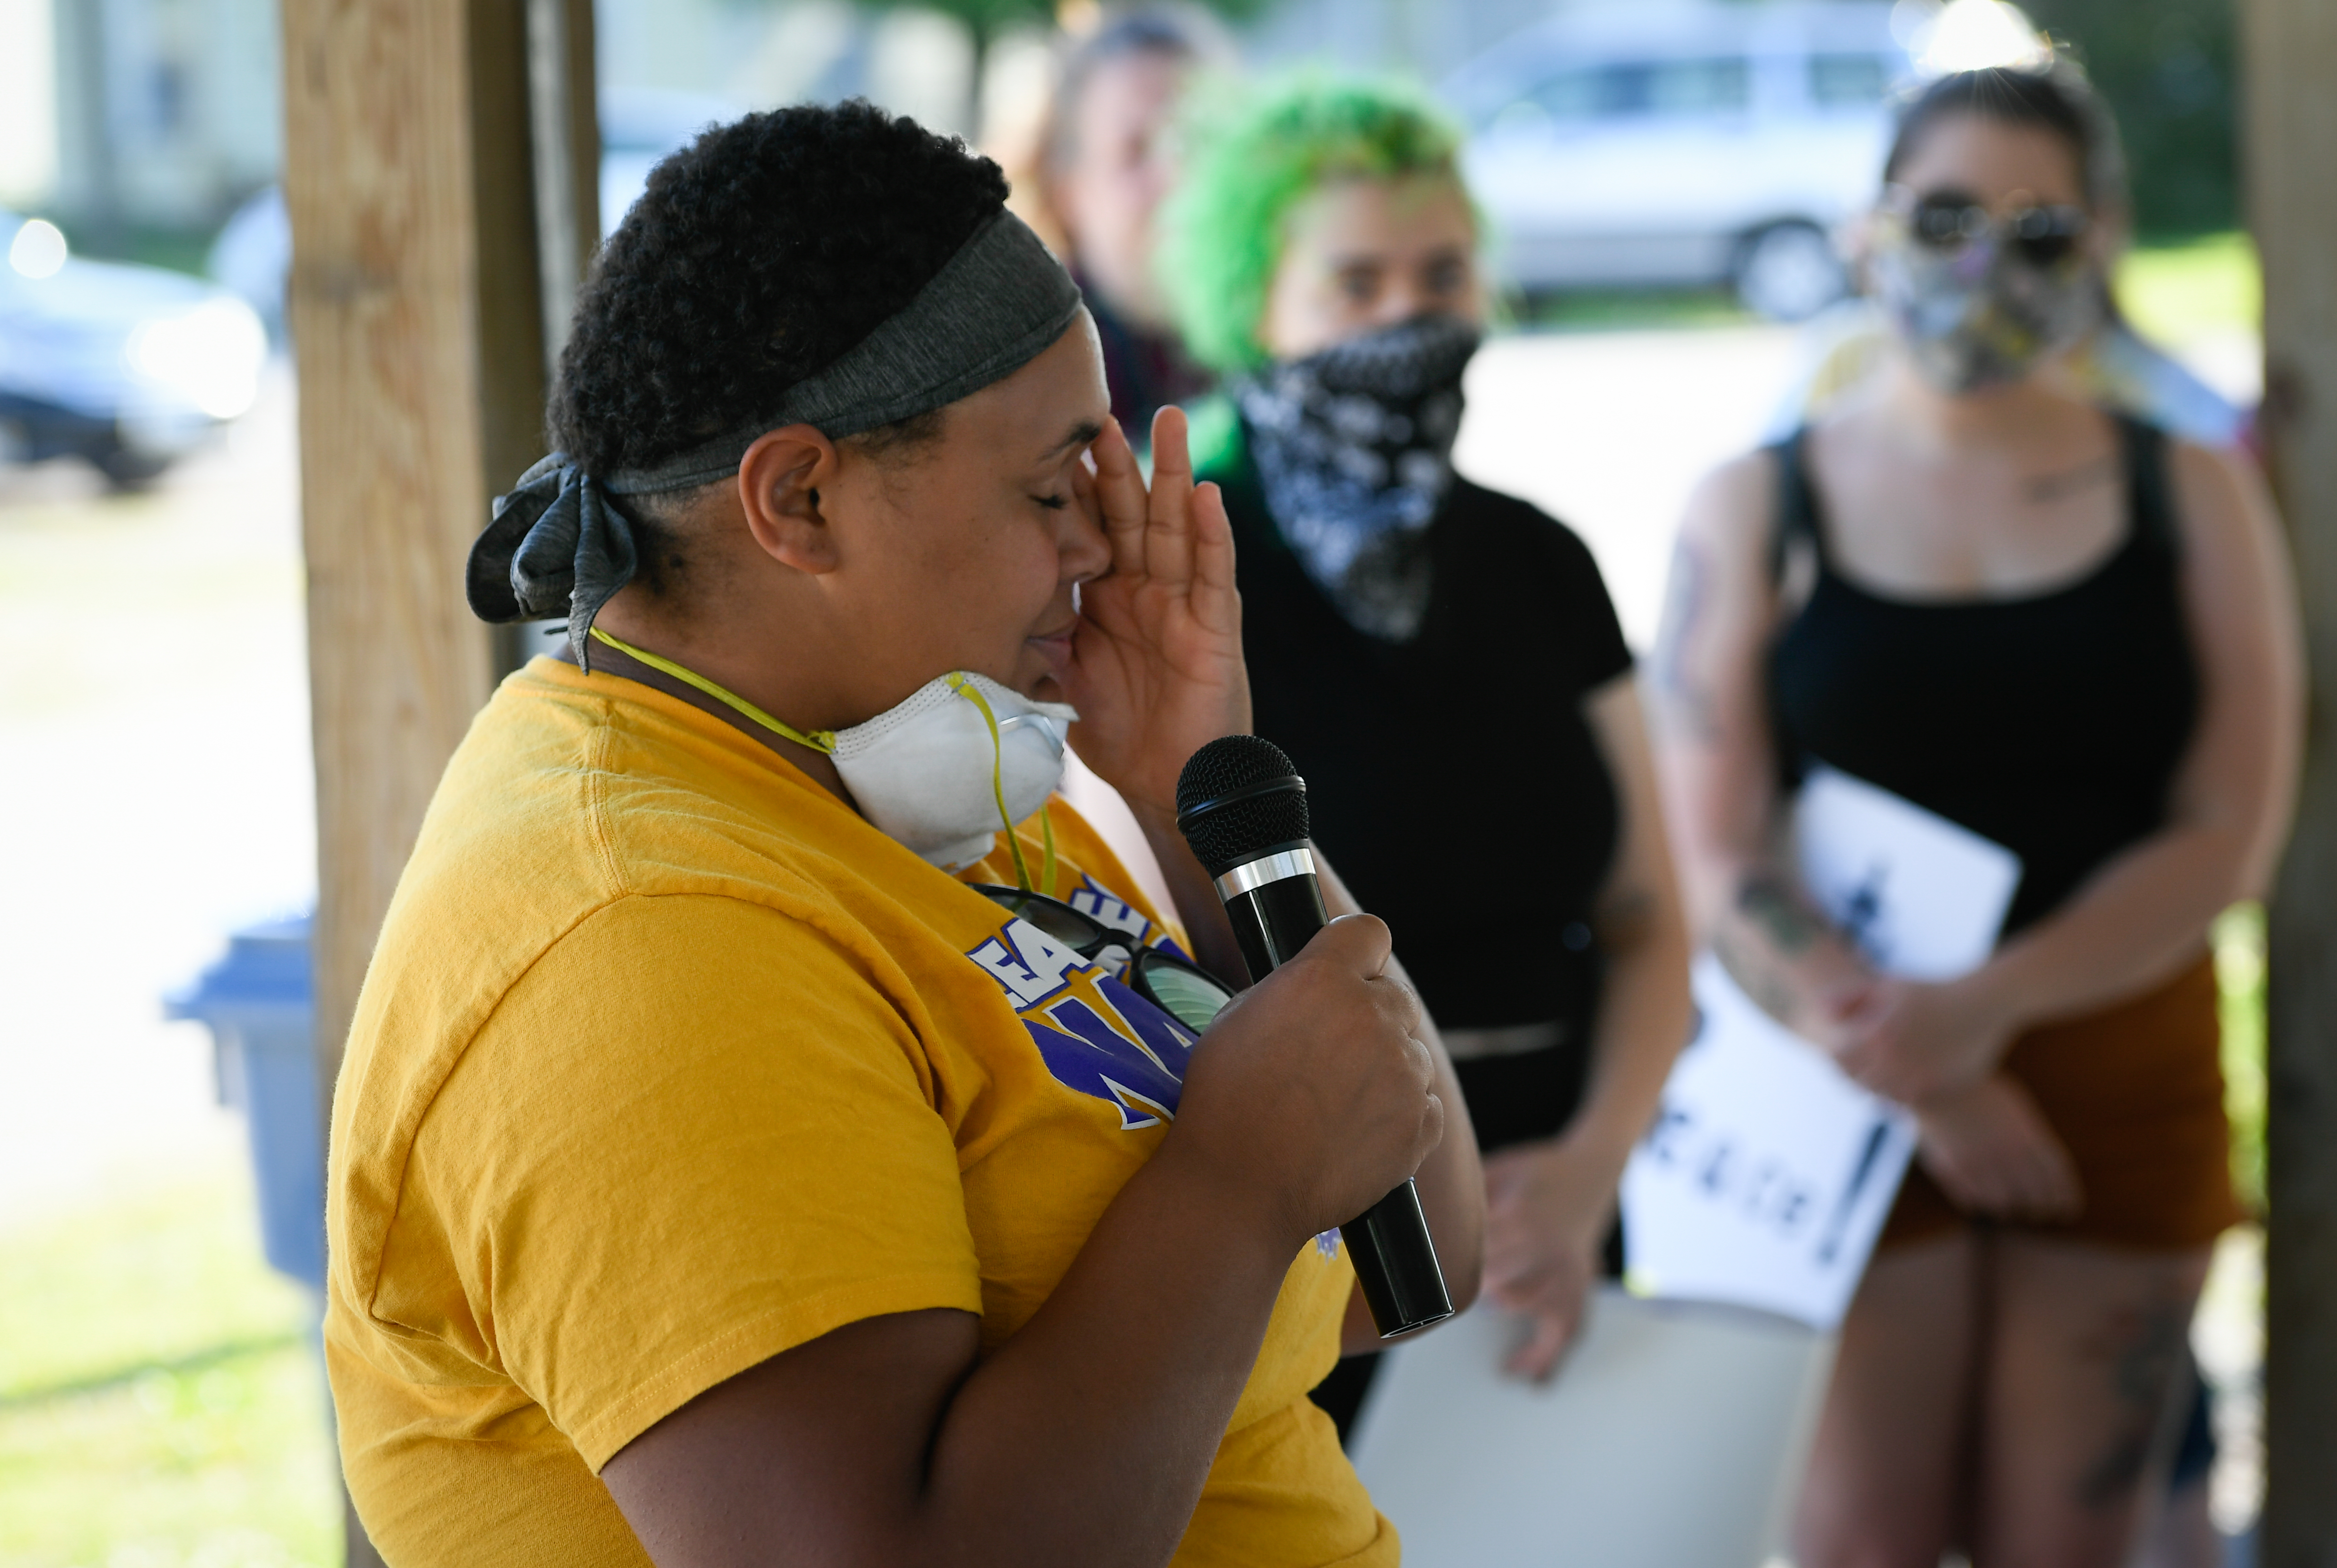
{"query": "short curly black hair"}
(757, 254)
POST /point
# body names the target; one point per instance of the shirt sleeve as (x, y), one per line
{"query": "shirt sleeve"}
(1600, 652)
(697, 1134)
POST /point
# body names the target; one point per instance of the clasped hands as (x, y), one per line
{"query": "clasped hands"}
(1936, 1048)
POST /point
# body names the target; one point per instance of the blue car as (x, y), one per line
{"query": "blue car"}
(128, 367)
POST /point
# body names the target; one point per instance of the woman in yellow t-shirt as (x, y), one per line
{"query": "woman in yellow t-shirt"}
(772, 1131)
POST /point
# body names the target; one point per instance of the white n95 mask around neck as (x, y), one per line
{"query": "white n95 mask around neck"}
(963, 757)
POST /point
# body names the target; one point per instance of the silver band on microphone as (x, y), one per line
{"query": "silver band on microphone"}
(1273, 868)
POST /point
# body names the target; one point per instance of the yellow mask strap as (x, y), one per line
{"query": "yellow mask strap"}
(965, 688)
(819, 740)
(1047, 871)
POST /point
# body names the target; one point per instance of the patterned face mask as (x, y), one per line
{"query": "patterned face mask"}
(1983, 314)
(1353, 448)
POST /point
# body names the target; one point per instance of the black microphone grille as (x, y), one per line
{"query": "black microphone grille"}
(1238, 797)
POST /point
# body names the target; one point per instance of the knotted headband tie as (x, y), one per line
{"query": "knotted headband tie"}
(556, 543)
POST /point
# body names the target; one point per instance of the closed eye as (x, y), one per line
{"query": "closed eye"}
(1052, 503)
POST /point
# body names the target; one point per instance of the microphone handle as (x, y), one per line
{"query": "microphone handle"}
(1393, 1255)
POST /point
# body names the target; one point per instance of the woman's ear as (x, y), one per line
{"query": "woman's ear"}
(779, 481)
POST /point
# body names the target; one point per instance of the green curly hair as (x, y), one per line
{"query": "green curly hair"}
(1249, 164)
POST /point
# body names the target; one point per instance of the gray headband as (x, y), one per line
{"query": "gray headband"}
(556, 543)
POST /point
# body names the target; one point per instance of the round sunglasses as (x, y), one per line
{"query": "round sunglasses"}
(1177, 986)
(1950, 220)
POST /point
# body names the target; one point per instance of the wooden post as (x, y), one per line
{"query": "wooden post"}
(418, 319)
(565, 134)
(2292, 145)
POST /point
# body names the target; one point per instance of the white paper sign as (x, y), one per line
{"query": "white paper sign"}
(1768, 1173)
(1922, 897)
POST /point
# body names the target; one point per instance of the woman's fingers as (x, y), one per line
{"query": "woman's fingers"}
(1846, 999)
(1217, 602)
(2065, 1192)
(1526, 1282)
(1168, 530)
(1971, 1189)
(2052, 1178)
(2047, 1176)
(1552, 1301)
(1862, 1021)
(1513, 1278)
(1120, 494)
(1914, 1041)
(1545, 1346)
(1088, 497)
(1992, 1151)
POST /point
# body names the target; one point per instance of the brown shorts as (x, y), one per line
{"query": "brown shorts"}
(2137, 1092)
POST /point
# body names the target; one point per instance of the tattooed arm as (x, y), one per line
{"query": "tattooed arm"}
(1719, 768)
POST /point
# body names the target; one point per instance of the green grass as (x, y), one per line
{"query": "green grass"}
(148, 1278)
(2239, 941)
(1619, 309)
(160, 1402)
(2177, 293)
(224, 1467)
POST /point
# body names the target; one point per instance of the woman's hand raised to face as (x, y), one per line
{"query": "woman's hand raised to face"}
(1156, 668)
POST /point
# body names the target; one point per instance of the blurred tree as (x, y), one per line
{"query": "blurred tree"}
(2167, 68)
(988, 18)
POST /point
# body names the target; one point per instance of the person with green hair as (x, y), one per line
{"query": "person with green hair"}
(1416, 642)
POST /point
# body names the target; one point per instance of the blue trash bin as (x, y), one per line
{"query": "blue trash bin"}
(259, 1003)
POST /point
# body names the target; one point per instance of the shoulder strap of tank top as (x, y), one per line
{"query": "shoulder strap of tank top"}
(2150, 498)
(1798, 511)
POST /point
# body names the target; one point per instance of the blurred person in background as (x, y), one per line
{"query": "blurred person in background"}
(2113, 364)
(1441, 661)
(2109, 362)
(2050, 623)
(1106, 159)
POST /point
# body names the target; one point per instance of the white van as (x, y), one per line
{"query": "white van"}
(1684, 143)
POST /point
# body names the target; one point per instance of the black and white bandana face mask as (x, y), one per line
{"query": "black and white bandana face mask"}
(1353, 448)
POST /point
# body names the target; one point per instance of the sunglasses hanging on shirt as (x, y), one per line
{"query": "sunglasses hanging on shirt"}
(1184, 990)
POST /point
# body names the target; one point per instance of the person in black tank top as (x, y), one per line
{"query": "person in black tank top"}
(2060, 630)
(2088, 688)
(1442, 663)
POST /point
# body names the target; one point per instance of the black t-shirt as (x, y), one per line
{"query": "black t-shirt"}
(1453, 780)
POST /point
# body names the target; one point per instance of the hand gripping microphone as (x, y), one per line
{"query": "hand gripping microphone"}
(1243, 809)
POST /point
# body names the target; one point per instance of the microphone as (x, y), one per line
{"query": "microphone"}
(1243, 808)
